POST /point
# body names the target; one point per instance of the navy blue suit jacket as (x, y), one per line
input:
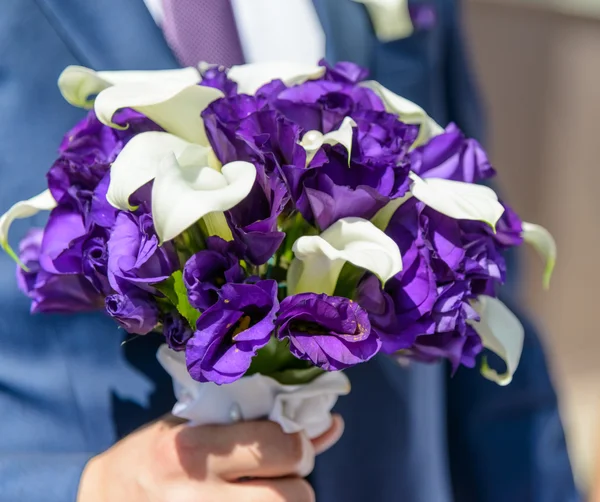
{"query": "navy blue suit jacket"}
(68, 389)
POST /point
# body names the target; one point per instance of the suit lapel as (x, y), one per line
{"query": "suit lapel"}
(110, 34)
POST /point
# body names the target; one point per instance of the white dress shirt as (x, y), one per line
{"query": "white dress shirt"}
(272, 30)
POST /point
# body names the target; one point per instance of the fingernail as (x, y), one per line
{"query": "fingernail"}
(333, 436)
(307, 464)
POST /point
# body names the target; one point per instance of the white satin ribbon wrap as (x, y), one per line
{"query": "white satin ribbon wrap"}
(296, 408)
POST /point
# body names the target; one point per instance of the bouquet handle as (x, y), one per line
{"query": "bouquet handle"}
(295, 408)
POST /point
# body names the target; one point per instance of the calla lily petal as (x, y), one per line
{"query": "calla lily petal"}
(139, 160)
(391, 18)
(407, 111)
(353, 240)
(251, 77)
(174, 105)
(23, 209)
(185, 192)
(382, 218)
(313, 140)
(544, 244)
(502, 333)
(462, 201)
(80, 85)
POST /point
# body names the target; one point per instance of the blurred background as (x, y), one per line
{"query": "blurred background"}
(538, 62)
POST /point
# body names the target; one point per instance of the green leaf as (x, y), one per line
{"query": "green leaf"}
(276, 361)
(174, 289)
(294, 227)
(348, 281)
(297, 376)
(273, 357)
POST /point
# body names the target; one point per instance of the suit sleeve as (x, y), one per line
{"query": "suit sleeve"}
(44, 441)
(49, 477)
(42, 451)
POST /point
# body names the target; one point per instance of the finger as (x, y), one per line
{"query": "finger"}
(329, 438)
(257, 449)
(276, 490)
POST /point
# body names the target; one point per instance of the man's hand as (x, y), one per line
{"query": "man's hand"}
(167, 461)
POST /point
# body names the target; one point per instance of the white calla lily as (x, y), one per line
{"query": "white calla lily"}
(462, 201)
(80, 85)
(544, 244)
(251, 77)
(185, 191)
(138, 162)
(174, 105)
(313, 140)
(407, 111)
(319, 258)
(390, 18)
(502, 333)
(23, 209)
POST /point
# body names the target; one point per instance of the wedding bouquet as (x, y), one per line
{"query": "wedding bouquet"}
(277, 223)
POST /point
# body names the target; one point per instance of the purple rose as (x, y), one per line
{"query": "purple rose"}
(397, 311)
(383, 139)
(101, 212)
(328, 190)
(230, 332)
(254, 221)
(322, 105)
(344, 72)
(86, 153)
(271, 140)
(63, 238)
(447, 264)
(208, 270)
(221, 121)
(484, 262)
(446, 329)
(50, 292)
(136, 311)
(69, 246)
(331, 332)
(85, 156)
(509, 229)
(216, 77)
(244, 128)
(452, 156)
(134, 256)
(459, 349)
(95, 260)
(176, 331)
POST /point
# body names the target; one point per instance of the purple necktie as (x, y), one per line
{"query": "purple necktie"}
(202, 30)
